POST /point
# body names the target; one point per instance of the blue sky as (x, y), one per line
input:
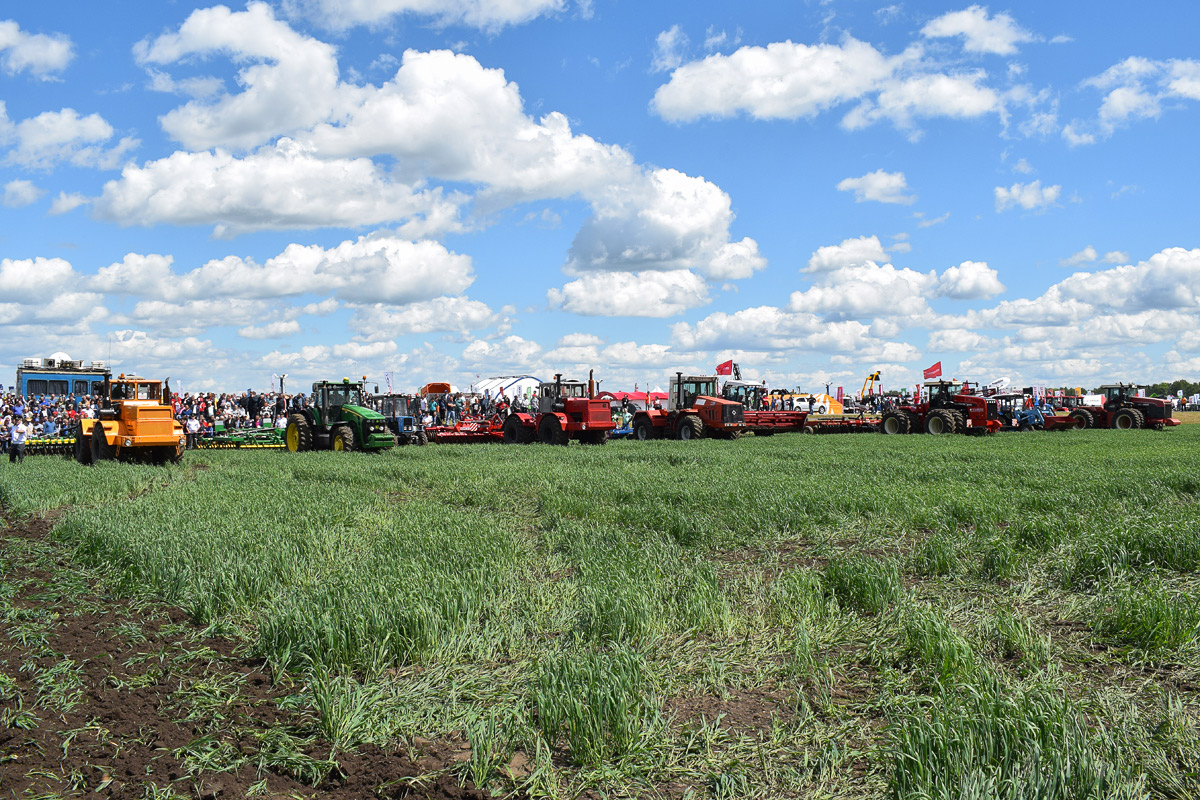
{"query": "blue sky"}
(442, 190)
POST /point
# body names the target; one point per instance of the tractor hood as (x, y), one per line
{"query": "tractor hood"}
(360, 412)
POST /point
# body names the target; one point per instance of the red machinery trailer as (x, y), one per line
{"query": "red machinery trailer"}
(694, 409)
(1124, 410)
(947, 407)
(566, 410)
(760, 421)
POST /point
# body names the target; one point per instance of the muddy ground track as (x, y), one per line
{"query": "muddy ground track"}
(105, 697)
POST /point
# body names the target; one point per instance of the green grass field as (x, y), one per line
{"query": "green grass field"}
(1014, 616)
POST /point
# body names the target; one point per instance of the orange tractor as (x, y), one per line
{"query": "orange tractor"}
(134, 422)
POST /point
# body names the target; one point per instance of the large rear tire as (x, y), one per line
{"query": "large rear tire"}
(894, 423)
(690, 427)
(940, 421)
(83, 446)
(297, 438)
(550, 432)
(421, 438)
(1085, 418)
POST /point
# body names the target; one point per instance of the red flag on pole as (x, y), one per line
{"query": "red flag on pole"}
(840, 395)
(725, 368)
(934, 372)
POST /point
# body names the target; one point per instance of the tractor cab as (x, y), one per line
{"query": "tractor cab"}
(748, 394)
(1116, 395)
(330, 396)
(686, 388)
(553, 395)
(942, 394)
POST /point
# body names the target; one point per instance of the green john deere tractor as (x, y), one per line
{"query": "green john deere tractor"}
(337, 419)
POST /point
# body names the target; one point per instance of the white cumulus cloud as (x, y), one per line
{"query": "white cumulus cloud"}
(880, 186)
(632, 294)
(981, 34)
(1028, 196)
(20, 193)
(970, 280)
(40, 54)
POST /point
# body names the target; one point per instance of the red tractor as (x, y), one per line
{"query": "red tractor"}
(694, 409)
(947, 407)
(1124, 410)
(566, 410)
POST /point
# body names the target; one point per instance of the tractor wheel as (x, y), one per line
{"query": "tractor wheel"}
(1085, 418)
(643, 430)
(809, 429)
(343, 439)
(101, 449)
(297, 437)
(514, 431)
(735, 434)
(940, 421)
(400, 441)
(594, 437)
(689, 428)
(421, 438)
(550, 432)
(1128, 419)
(894, 423)
(960, 421)
(1025, 428)
(83, 447)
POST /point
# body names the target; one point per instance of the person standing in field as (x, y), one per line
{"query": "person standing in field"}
(16, 448)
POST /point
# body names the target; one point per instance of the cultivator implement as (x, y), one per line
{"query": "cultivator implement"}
(244, 439)
(472, 430)
(840, 424)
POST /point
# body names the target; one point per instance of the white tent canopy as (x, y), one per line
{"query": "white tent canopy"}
(513, 385)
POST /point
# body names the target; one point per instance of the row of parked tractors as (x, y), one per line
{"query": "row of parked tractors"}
(134, 422)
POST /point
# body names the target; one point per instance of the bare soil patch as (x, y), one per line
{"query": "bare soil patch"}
(101, 696)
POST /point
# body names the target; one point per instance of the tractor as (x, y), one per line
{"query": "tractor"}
(338, 419)
(133, 423)
(694, 409)
(947, 407)
(403, 417)
(565, 410)
(1124, 410)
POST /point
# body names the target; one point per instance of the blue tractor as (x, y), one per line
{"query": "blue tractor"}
(403, 417)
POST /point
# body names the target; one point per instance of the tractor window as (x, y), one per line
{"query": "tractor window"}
(119, 390)
(573, 390)
(147, 391)
(346, 394)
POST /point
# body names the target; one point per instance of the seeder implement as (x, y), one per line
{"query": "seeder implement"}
(243, 439)
(50, 446)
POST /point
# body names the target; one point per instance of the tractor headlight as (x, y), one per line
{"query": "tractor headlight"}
(183, 440)
(128, 442)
